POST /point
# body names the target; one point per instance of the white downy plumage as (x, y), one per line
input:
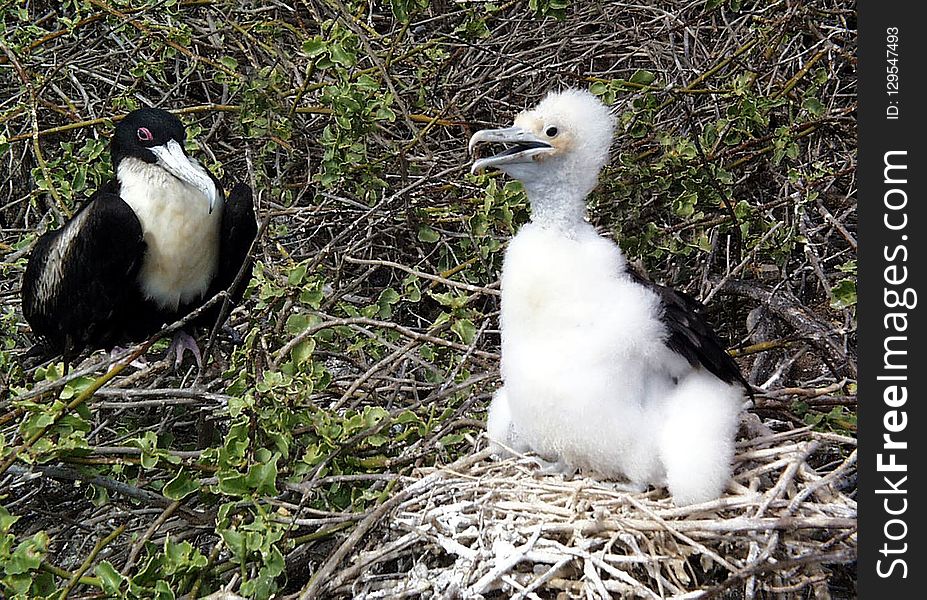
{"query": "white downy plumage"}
(588, 379)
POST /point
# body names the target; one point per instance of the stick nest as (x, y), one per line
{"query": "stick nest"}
(483, 528)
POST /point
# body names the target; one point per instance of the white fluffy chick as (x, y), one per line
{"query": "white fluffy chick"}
(602, 370)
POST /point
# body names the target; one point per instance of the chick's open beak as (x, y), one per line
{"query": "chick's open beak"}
(523, 147)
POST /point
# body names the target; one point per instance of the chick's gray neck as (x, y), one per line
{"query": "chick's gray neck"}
(561, 208)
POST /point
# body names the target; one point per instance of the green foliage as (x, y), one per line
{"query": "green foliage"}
(844, 291)
(19, 563)
(163, 570)
(552, 8)
(404, 9)
(689, 168)
(66, 430)
(839, 419)
(75, 171)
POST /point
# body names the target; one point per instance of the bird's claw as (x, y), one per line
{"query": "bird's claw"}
(181, 343)
(630, 487)
(138, 363)
(560, 467)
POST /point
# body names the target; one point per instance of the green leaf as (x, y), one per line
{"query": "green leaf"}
(80, 180)
(262, 478)
(20, 585)
(848, 267)
(262, 586)
(274, 561)
(312, 297)
(149, 461)
(820, 76)
(385, 302)
(452, 439)
(236, 443)
(181, 486)
(385, 113)
(341, 56)
(313, 455)
(314, 47)
(453, 300)
(685, 204)
(148, 444)
(377, 440)
(109, 577)
(163, 591)
(844, 294)
(388, 296)
(813, 106)
(28, 555)
(407, 416)
(642, 77)
(233, 483)
(354, 424)
(182, 557)
(427, 234)
(296, 275)
(100, 496)
(302, 351)
(298, 322)
(465, 330)
(43, 585)
(373, 415)
(235, 541)
(6, 520)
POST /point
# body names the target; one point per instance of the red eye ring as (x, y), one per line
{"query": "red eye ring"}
(144, 135)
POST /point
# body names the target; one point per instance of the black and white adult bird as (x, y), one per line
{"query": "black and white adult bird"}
(602, 370)
(147, 248)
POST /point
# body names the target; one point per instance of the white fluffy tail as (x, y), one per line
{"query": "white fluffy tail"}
(697, 441)
(501, 428)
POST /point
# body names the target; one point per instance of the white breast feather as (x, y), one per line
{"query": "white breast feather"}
(181, 235)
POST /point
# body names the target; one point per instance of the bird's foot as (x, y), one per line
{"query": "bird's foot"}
(182, 342)
(38, 354)
(138, 363)
(630, 487)
(560, 467)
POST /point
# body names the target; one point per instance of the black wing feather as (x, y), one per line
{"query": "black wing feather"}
(691, 336)
(239, 229)
(89, 304)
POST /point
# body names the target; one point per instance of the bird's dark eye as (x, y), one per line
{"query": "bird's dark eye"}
(144, 135)
(551, 131)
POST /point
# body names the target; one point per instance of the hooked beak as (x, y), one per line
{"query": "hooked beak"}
(525, 147)
(176, 162)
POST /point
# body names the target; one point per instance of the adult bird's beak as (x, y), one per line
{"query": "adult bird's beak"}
(525, 146)
(172, 157)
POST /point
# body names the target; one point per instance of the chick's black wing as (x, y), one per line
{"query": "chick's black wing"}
(691, 336)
